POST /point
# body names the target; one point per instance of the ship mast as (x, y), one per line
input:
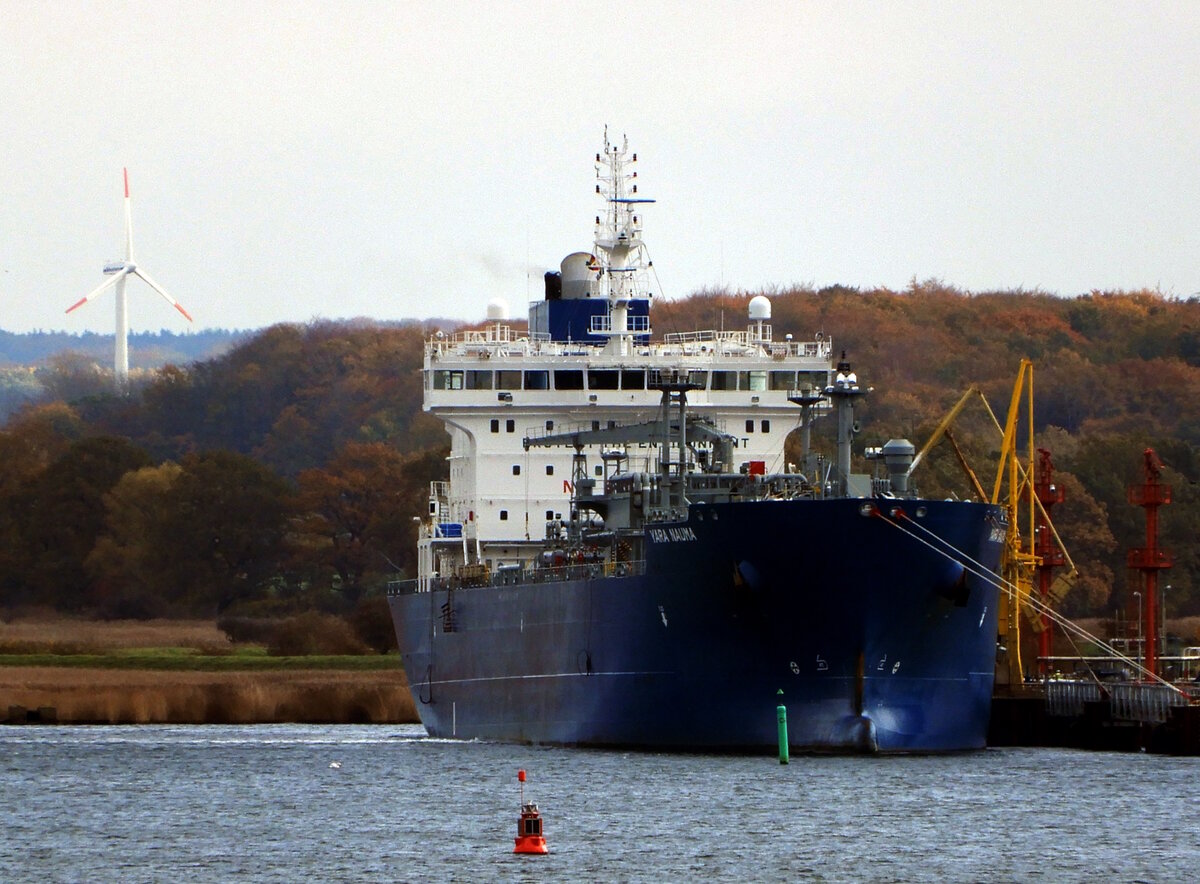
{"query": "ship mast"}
(621, 257)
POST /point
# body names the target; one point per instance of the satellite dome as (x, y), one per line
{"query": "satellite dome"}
(578, 271)
(760, 307)
(497, 309)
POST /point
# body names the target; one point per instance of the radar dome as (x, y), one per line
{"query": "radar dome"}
(497, 309)
(760, 307)
(578, 271)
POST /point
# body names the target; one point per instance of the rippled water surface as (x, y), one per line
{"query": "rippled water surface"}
(262, 803)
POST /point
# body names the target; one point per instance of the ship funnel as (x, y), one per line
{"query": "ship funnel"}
(897, 458)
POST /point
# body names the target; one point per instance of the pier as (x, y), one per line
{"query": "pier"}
(1116, 716)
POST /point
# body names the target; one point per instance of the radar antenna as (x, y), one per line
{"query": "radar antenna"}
(621, 257)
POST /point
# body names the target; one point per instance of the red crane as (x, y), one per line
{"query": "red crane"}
(1149, 559)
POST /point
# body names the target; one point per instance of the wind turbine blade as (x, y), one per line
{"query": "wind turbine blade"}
(158, 288)
(128, 221)
(111, 281)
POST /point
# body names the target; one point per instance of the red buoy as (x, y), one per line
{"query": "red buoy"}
(529, 826)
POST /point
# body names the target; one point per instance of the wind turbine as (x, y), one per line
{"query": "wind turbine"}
(118, 270)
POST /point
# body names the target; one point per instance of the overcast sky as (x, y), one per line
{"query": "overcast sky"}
(301, 160)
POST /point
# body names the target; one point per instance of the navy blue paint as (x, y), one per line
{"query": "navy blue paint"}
(592, 662)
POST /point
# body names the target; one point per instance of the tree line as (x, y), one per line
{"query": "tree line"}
(1114, 373)
(285, 474)
(279, 477)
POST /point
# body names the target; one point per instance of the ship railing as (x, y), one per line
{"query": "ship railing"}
(402, 587)
(602, 324)
(486, 340)
(751, 338)
(520, 576)
(584, 571)
(409, 587)
(705, 336)
(492, 334)
(485, 344)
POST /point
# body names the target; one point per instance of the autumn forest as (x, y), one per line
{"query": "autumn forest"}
(284, 475)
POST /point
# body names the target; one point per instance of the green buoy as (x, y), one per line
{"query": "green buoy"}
(781, 718)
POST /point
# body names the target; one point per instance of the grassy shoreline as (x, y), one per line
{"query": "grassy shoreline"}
(186, 672)
(198, 663)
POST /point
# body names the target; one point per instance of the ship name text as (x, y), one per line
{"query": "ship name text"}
(671, 535)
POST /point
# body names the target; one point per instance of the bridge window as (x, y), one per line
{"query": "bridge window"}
(724, 380)
(447, 380)
(783, 380)
(818, 380)
(752, 380)
(508, 380)
(479, 380)
(607, 379)
(568, 379)
(537, 380)
(633, 380)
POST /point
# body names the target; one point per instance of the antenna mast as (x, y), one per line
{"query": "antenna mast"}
(621, 258)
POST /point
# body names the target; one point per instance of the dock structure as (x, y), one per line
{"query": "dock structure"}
(1116, 716)
(1136, 697)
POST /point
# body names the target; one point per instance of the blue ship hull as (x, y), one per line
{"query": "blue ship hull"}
(877, 640)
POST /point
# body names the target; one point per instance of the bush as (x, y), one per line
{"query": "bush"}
(372, 622)
(314, 633)
(257, 630)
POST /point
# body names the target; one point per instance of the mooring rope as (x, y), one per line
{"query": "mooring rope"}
(1010, 589)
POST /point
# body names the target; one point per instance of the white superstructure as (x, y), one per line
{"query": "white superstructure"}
(495, 387)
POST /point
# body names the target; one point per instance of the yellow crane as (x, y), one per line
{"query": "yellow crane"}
(1015, 480)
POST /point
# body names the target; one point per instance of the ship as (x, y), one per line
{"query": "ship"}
(623, 556)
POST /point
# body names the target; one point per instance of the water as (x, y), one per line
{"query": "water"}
(261, 803)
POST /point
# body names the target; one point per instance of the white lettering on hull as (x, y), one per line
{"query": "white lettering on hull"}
(671, 535)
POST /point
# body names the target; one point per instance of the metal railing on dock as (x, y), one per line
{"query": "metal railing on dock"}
(1148, 703)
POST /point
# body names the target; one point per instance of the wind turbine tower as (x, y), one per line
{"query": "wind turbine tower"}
(117, 271)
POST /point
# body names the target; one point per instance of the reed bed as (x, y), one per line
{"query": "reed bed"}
(54, 635)
(103, 696)
(185, 672)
